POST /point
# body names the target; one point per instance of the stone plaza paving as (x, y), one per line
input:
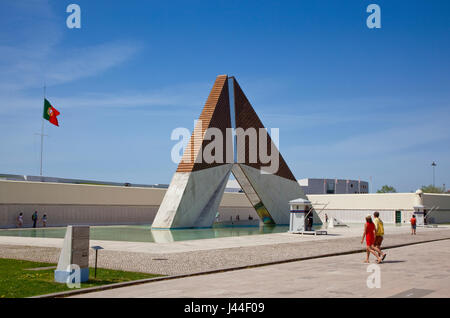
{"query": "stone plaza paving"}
(199, 256)
(413, 271)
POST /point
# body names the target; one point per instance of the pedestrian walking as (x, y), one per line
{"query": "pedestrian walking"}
(379, 234)
(369, 235)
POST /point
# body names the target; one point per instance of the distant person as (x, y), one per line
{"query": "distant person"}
(369, 234)
(237, 217)
(379, 233)
(326, 218)
(310, 222)
(20, 220)
(44, 220)
(413, 225)
(34, 218)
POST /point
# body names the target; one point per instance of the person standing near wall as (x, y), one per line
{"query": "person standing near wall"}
(413, 225)
(34, 218)
(310, 222)
(44, 220)
(20, 220)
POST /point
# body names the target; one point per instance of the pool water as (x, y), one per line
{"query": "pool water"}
(144, 233)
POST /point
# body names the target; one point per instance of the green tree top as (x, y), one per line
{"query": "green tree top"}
(387, 189)
(432, 189)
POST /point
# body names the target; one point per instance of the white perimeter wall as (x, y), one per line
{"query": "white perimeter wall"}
(353, 208)
(440, 203)
(95, 205)
(90, 204)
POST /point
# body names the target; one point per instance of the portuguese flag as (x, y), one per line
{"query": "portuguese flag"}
(50, 113)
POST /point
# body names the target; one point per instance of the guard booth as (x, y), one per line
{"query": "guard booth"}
(419, 208)
(299, 212)
(419, 212)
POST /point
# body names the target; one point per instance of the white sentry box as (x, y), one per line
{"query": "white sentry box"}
(419, 212)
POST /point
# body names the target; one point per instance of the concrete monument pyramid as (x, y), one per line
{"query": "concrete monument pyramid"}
(228, 138)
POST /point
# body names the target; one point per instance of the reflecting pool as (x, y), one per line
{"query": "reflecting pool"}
(144, 233)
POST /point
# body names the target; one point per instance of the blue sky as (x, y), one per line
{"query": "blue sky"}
(350, 102)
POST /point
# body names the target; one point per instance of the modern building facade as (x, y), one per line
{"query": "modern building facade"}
(319, 186)
(333, 186)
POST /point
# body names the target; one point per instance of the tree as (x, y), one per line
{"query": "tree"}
(387, 189)
(432, 189)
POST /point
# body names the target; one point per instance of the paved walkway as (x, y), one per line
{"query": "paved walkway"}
(412, 271)
(191, 257)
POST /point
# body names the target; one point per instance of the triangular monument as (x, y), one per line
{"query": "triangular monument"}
(228, 138)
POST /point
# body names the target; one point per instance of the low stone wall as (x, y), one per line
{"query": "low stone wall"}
(439, 216)
(63, 215)
(67, 204)
(358, 216)
(227, 214)
(75, 204)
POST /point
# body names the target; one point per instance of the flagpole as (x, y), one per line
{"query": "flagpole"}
(42, 142)
(42, 131)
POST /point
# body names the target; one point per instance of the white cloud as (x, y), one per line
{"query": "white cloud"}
(33, 52)
(409, 132)
(180, 96)
(188, 94)
(27, 71)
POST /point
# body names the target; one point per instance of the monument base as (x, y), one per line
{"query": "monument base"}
(62, 276)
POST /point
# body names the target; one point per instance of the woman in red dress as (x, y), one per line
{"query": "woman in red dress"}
(369, 234)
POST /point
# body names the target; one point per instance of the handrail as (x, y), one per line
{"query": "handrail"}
(312, 208)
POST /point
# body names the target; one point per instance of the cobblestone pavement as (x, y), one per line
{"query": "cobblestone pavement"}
(198, 261)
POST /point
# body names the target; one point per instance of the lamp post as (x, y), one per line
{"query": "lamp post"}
(96, 248)
(433, 165)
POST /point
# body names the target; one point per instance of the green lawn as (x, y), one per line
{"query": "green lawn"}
(17, 282)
